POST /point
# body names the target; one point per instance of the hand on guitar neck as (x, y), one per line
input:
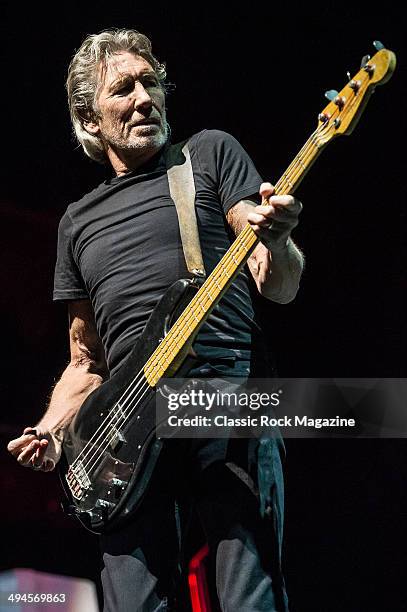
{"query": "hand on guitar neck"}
(275, 219)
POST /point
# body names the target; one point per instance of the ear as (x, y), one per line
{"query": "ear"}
(91, 127)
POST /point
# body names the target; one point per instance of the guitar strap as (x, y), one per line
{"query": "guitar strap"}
(182, 191)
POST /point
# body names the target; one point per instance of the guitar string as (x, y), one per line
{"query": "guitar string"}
(124, 406)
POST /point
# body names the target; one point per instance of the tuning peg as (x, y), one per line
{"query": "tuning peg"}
(364, 61)
(378, 45)
(331, 94)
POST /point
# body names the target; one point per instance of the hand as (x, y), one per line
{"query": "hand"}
(274, 222)
(40, 450)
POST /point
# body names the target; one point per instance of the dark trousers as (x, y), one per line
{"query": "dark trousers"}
(214, 480)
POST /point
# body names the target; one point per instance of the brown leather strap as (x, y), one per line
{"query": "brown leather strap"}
(182, 191)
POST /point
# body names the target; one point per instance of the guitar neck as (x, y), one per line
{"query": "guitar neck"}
(187, 325)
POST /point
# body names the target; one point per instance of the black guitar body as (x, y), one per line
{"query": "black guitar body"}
(109, 456)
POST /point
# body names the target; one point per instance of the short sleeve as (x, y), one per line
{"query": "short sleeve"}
(68, 283)
(225, 162)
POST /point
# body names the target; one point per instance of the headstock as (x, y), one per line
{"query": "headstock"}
(341, 115)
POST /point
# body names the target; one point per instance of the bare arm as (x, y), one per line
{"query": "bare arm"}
(84, 373)
(276, 263)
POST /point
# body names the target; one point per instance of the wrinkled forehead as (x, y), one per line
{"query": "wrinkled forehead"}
(121, 63)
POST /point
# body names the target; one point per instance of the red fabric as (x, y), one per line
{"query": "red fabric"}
(198, 585)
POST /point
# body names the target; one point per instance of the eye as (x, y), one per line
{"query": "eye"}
(150, 81)
(124, 89)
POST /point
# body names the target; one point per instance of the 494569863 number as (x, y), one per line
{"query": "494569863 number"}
(36, 598)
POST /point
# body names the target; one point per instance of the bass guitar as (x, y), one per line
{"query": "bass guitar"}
(111, 448)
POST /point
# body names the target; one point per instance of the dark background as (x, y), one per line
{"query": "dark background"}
(259, 72)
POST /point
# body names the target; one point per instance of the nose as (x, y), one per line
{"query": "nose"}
(142, 100)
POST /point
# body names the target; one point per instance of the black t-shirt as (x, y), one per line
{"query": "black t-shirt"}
(120, 247)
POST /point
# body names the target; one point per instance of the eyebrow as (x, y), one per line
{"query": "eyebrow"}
(125, 76)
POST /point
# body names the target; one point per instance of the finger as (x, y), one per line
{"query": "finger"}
(282, 215)
(266, 190)
(34, 431)
(38, 460)
(40, 452)
(30, 430)
(17, 445)
(286, 202)
(257, 229)
(262, 218)
(27, 455)
(278, 219)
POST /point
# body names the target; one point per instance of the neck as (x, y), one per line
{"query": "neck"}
(125, 162)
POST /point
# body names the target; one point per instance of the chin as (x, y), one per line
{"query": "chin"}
(150, 141)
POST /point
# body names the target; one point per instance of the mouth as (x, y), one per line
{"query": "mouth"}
(147, 123)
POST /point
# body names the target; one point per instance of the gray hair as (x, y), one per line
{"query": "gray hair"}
(82, 80)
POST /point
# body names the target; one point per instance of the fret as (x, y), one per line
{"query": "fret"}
(208, 294)
(163, 354)
(191, 329)
(236, 262)
(216, 283)
(223, 268)
(244, 246)
(177, 333)
(200, 304)
(175, 340)
(178, 329)
(157, 365)
(287, 179)
(193, 312)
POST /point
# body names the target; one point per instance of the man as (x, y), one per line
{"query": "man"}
(118, 251)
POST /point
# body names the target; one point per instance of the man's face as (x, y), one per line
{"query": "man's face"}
(130, 104)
